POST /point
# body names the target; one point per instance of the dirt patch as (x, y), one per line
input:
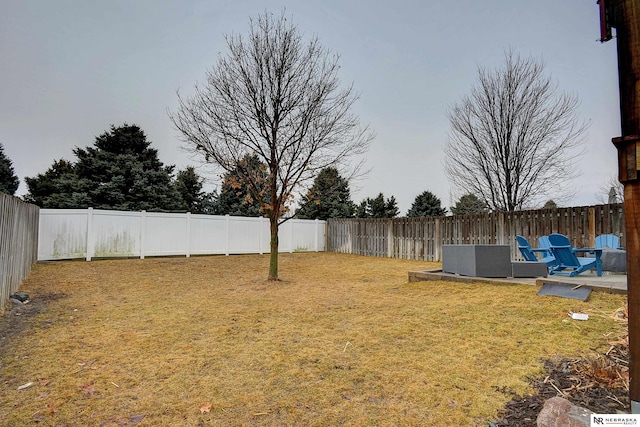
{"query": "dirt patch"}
(599, 383)
(19, 316)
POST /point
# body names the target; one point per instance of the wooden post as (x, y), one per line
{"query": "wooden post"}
(592, 227)
(500, 231)
(390, 238)
(437, 241)
(626, 20)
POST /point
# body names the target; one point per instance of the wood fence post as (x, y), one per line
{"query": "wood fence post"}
(390, 238)
(437, 240)
(500, 231)
(592, 227)
(625, 15)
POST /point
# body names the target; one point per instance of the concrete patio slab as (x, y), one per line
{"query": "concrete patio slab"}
(612, 283)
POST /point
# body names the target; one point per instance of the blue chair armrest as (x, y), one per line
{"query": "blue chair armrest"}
(598, 254)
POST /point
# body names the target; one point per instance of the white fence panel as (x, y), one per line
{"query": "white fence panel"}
(207, 235)
(166, 234)
(113, 234)
(89, 233)
(62, 234)
(245, 235)
(299, 235)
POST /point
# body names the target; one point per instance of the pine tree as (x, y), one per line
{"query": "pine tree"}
(378, 207)
(120, 172)
(328, 197)
(193, 198)
(58, 187)
(469, 204)
(235, 197)
(426, 204)
(9, 182)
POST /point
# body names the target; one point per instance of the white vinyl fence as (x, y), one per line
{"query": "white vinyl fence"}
(91, 233)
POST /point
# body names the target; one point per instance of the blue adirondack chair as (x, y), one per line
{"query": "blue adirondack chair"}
(544, 245)
(529, 254)
(566, 258)
(608, 241)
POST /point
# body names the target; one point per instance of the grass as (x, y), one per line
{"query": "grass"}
(342, 340)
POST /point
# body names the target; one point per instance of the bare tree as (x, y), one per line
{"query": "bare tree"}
(514, 140)
(277, 97)
(611, 192)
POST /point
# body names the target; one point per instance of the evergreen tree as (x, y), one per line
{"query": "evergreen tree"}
(122, 172)
(550, 204)
(378, 207)
(362, 210)
(9, 182)
(469, 204)
(194, 199)
(391, 208)
(235, 195)
(119, 172)
(58, 187)
(328, 197)
(426, 204)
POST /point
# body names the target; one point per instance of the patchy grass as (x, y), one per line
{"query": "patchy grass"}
(342, 340)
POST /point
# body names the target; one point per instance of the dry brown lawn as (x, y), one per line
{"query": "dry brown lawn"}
(342, 340)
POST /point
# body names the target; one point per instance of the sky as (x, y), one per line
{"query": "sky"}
(71, 69)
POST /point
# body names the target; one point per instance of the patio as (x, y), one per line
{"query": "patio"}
(608, 282)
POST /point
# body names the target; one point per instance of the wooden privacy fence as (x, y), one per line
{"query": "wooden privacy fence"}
(18, 243)
(422, 238)
(92, 233)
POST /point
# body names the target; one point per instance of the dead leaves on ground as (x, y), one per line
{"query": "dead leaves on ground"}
(88, 389)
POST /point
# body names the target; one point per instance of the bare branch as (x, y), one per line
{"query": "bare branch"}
(515, 139)
(279, 98)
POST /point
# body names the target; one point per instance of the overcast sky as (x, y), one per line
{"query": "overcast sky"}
(70, 69)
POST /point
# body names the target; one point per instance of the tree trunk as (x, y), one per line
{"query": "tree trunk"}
(273, 259)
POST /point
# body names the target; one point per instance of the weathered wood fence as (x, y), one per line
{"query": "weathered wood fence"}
(18, 243)
(422, 238)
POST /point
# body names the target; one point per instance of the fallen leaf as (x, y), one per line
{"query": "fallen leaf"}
(44, 382)
(136, 418)
(205, 409)
(88, 389)
(23, 386)
(51, 408)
